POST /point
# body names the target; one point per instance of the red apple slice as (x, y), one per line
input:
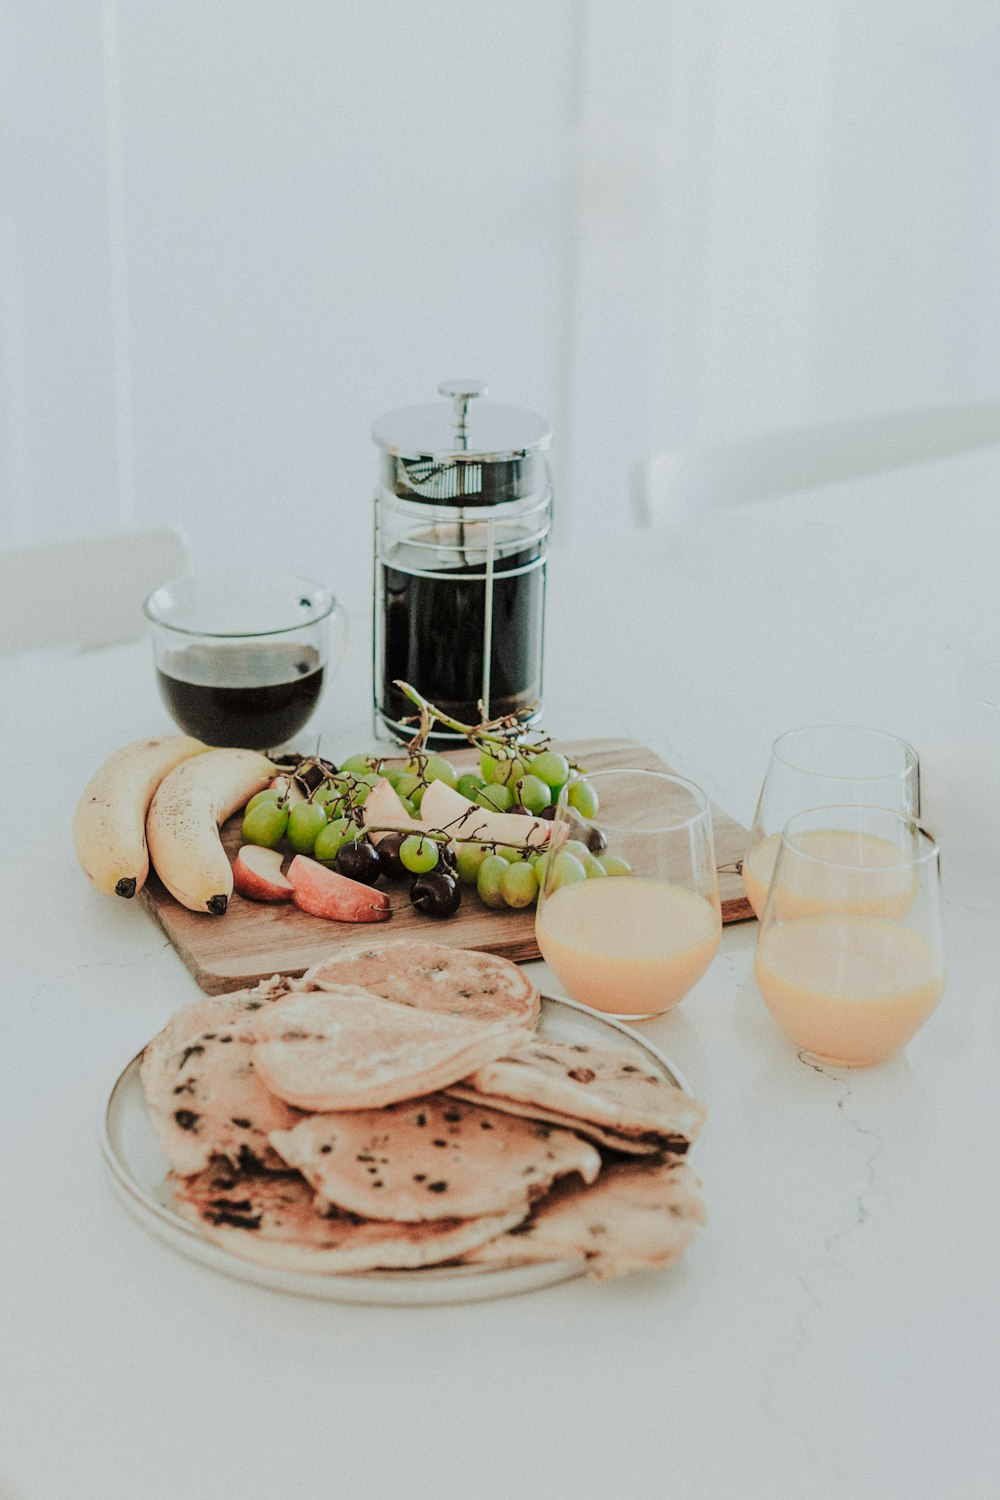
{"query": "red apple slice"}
(257, 874)
(324, 893)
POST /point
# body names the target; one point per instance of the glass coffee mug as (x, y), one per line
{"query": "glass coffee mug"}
(830, 764)
(850, 956)
(242, 662)
(637, 934)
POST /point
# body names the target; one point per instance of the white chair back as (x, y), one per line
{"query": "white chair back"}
(680, 485)
(84, 590)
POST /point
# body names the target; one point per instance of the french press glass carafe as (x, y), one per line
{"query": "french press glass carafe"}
(462, 515)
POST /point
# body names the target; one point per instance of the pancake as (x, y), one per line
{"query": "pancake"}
(433, 976)
(605, 1085)
(601, 1135)
(271, 1219)
(347, 1049)
(637, 1216)
(431, 1158)
(203, 1093)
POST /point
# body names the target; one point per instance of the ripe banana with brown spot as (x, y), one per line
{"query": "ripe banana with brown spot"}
(182, 827)
(109, 825)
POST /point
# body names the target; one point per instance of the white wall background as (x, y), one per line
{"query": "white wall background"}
(233, 234)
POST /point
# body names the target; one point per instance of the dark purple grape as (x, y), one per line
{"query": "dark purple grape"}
(358, 860)
(548, 812)
(388, 855)
(437, 894)
(310, 771)
(446, 859)
(596, 840)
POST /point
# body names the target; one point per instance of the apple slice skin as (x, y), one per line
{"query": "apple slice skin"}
(257, 875)
(324, 893)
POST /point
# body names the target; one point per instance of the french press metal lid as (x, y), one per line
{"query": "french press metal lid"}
(474, 452)
(462, 515)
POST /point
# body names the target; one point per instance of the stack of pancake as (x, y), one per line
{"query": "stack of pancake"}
(395, 1108)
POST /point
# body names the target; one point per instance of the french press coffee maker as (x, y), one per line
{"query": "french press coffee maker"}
(462, 516)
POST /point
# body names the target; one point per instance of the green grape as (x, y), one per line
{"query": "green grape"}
(417, 795)
(470, 784)
(551, 767)
(567, 870)
(613, 864)
(269, 794)
(541, 865)
(393, 775)
(264, 824)
(495, 798)
(362, 786)
(410, 807)
(439, 769)
(329, 839)
(489, 881)
(593, 867)
(532, 793)
(407, 783)
(357, 765)
(556, 791)
(417, 854)
(327, 794)
(519, 885)
(577, 848)
(509, 853)
(582, 796)
(500, 768)
(468, 858)
(489, 767)
(304, 823)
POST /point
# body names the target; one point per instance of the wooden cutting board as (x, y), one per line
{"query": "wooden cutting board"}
(255, 939)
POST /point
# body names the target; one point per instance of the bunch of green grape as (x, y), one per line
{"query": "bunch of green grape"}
(513, 875)
(327, 824)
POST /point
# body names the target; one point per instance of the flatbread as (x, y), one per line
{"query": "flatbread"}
(203, 1093)
(347, 1049)
(431, 1158)
(271, 1219)
(433, 976)
(638, 1216)
(605, 1085)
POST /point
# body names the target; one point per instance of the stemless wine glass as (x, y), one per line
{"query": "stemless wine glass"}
(241, 661)
(827, 765)
(850, 956)
(637, 933)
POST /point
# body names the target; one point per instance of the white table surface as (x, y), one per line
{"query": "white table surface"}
(832, 1333)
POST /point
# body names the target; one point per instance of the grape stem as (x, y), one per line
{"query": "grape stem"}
(499, 732)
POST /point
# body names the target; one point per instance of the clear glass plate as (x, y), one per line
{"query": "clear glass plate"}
(139, 1174)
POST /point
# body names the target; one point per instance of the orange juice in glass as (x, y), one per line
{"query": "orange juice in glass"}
(819, 767)
(850, 981)
(628, 912)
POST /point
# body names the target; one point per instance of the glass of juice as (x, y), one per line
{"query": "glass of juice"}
(628, 911)
(823, 766)
(850, 958)
(241, 661)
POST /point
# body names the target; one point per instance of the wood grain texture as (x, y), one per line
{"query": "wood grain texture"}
(255, 940)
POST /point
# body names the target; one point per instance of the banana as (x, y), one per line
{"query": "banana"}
(182, 826)
(109, 825)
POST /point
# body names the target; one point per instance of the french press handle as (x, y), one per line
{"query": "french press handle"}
(461, 393)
